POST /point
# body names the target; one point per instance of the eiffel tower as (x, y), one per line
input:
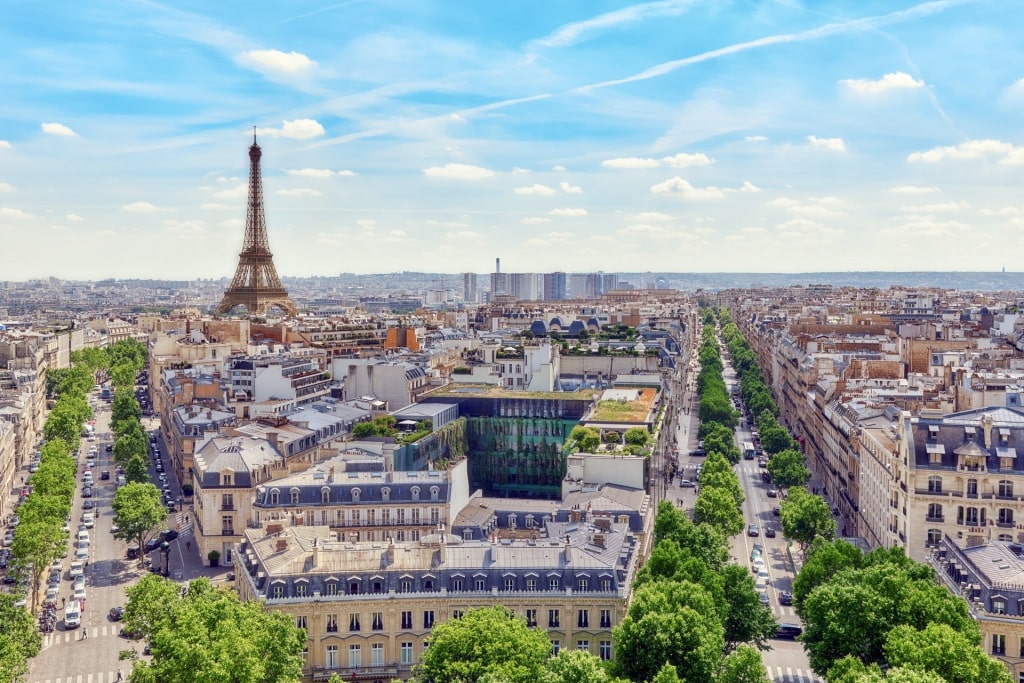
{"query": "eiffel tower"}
(256, 284)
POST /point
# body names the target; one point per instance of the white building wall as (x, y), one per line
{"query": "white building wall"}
(270, 383)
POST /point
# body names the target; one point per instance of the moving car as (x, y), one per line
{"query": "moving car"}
(789, 631)
(785, 598)
(116, 613)
(686, 483)
(773, 493)
(763, 597)
(753, 530)
(769, 531)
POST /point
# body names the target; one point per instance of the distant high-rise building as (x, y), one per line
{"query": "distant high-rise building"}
(609, 281)
(554, 286)
(469, 288)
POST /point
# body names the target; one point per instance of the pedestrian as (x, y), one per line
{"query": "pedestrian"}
(85, 634)
(62, 602)
(120, 676)
(188, 545)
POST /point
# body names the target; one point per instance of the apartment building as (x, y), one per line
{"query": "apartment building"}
(368, 607)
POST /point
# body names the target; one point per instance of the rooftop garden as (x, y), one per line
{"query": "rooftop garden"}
(624, 411)
(634, 441)
(388, 426)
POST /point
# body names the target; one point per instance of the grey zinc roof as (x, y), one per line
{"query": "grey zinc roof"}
(241, 454)
(999, 566)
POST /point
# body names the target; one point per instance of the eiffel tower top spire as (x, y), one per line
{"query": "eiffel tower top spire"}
(256, 284)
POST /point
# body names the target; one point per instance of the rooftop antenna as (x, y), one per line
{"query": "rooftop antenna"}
(254, 135)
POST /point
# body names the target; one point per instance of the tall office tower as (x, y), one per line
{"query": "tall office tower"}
(609, 281)
(469, 288)
(554, 286)
(256, 284)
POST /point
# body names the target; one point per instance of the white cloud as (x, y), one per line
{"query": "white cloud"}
(683, 188)
(555, 168)
(756, 138)
(938, 207)
(276, 61)
(552, 238)
(534, 220)
(929, 227)
(141, 207)
(1004, 211)
(516, 170)
(4, 144)
(1015, 157)
(299, 192)
(570, 189)
(912, 189)
(570, 213)
(311, 172)
(832, 144)
(535, 189)
(74, 218)
(971, 149)
(232, 223)
(213, 206)
(649, 231)
(347, 173)
(7, 212)
(58, 129)
(782, 203)
(6, 187)
(458, 172)
(683, 160)
(236, 192)
(812, 211)
(652, 217)
(749, 187)
(463, 235)
(893, 81)
(299, 129)
(445, 224)
(631, 162)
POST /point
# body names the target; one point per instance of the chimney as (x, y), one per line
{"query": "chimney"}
(391, 551)
(316, 553)
(567, 550)
(282, 545)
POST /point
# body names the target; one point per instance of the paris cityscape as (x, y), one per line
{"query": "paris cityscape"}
(608, 342)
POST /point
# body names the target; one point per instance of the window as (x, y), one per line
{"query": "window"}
(457, 584)
(428, 585)
(353, 621)
(1005, 488)
(1022, 649)
(606, 618)
(377, 654)
(325, 495)
(934, 536)
(225, 479)
(300, 622)
(428, 618)
(227, 501)
(553, 620)
(972, 487)
(531, 584)
(435, 516)
(583, 618)
(385, 494)
(434, 493)
(998, 644)
(1005, 517)
(998, 606)
(510, 583)
(972, 517)
(385, 516)
(378, 621)
(355, 495)
(406, 585)
(275, 497)
(305, 656)
(227, 524)
(331, 587)
(934, 484)
(332, 623)
(415, 491)
(371, 516)
(300, 589)
(415, 516)
(556, 645)
(583, 645)
(531, 617)
(405, 653)
(582, 584)
(605, 649)
(606, 584)
(406, 620)
(293, 496)
(553, 583)
(331, 657)
(400, 515)
(277, 590)
(456, 614)
(934, 512)
(354, 656)
(353, 587)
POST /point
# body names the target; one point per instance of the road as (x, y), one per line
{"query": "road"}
(786, 662)
(66, 656)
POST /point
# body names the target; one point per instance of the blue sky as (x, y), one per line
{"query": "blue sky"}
(674, 135)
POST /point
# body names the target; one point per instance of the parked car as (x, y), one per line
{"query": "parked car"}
(773, 493)
(777, 511)
(87, 505)
(686, 483)
(168, 534)
(152, 544)
(763, 597)
(105, 475)
(87, 492)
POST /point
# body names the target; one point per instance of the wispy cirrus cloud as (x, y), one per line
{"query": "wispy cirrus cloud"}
(299, 192)
(142, 207)
(913, 189)
(891, 81)
(630, 163)
(318, 172)
(569, 213)
(578, 31)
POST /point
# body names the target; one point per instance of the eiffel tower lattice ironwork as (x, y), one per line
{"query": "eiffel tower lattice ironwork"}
(256, 284)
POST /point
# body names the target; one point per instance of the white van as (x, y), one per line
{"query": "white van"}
(73, 615)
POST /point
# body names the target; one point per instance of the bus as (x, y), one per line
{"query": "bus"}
(748, 450)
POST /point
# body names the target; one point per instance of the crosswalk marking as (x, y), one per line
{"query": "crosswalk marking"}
(97, 677)
(791, 675)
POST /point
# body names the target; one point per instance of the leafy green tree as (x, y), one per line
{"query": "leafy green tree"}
(824, 560)
(486, 640)
(576, 666)
(93, 358)
(849, 669)
(122, 375)
(717, 507)
(788, 468)
(670, 622)
(941, 650)
(19, 639)
(139, 512)
(718, 408)
(666, 674)
(636, 436)
(63, 423)
(208, 636)
(745, 620)
(854, 613)
(364, 430)
(585, 439)
(137, 470)
(37, 543)
(775, 439)
(129, 446)
(726, 481)
(124, 406)
(806, 516)
(743, 665)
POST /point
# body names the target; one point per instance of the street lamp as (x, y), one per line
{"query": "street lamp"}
(165, 554)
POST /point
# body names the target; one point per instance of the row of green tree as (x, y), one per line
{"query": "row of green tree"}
(588, 440)
(881, 616)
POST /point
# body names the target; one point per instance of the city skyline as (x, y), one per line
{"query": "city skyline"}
(674, 135)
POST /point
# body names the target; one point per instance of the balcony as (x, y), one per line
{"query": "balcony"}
(358, 673)
(1005, 525)
(227, 507)
(934, 518)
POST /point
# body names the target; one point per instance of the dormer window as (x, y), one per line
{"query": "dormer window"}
(325, 495)
(385, 494)
(434, 493)
(969, 433)
(415, 491)
(275, 497)
(355, 495)
(293, 496)
(1004, 436)
(226, 479)
(933, 432)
